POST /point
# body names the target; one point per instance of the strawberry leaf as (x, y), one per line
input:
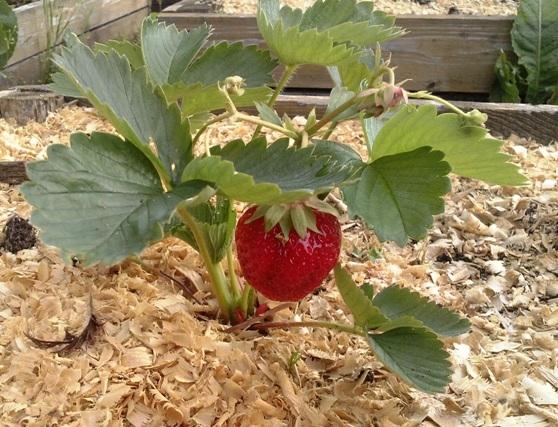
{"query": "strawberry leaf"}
(100, 199)
(322, 34)
(167, 51)
(396, 302)
(265, 175)
(125, 98)
(364, 312)
(132, 51)
(398, 194)
(8, 32)
(415, 354)
(216, 222)
(535, 41)
(469, 150)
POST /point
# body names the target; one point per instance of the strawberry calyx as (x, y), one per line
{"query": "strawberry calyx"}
(299, 215)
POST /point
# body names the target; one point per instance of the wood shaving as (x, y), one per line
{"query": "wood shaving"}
(158, 361)
(396, 7)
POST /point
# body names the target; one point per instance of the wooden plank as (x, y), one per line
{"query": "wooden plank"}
(539, 122)
(440, 53)
(29, 70)
(83, 16)
(12, 172)
(190, 6)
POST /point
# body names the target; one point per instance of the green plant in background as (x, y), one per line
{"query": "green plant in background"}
(534, 77)
(106, 197)
(58, 15)
(8, 33)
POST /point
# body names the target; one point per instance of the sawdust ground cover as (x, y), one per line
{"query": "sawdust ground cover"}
(159, 359)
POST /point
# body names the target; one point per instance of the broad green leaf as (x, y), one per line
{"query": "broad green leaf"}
(357, 72)
(217, 223)
(535, 41)
(8, 32)
(258, 174)
(167, 51)
(469, 150)
(396, 302)
(337, 97)
(199, 99)
(293, 46)
(398, 194)
(505, 88)
(350, 21)
(268, 114)
(342, 154)
(62, 85)
(128, 101)
(100, 199)
(416, 355)
(132, 51)
(225, 59)
(364, 312)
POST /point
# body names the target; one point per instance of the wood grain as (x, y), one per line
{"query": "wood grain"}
(12, 172)
(29, 70)
(440, 53)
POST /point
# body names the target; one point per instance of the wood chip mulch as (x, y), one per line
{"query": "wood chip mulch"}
(157, 359)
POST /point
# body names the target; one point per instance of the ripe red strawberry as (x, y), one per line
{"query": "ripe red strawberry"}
(287, 270)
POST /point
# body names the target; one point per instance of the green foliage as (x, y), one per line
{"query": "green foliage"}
(8, 32)
(216, 221)
(264, 175)
(325, 34)
(535, 42)
(468, 149)
(101, 199)
(395, 302)
(138, 112)
(400, 326)
(398, 194)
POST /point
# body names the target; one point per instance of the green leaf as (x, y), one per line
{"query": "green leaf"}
(264, 175)
(469, 150)
(397, 195)
(216, 221)
(128, 101)
(8, 33)
(357, 72)
(131, 51)
(342, 154)
(414, 354)
(225, 59)
(396, 302)
(293, 46)
(364, 312)
(100, 199)
(505, 88)
(167, 51)
(535, 41)
(350, 21)
(62, 85)
(268, 114)
(337, 97)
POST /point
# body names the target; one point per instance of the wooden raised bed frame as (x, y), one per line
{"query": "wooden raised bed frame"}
(98, 20)
(440, 53)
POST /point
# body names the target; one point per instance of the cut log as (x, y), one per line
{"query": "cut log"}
(27, 103)
(12, 172)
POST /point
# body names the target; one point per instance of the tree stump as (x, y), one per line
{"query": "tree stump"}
(27, 103)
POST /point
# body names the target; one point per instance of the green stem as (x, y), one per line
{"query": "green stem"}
(217, 277)
(311, 324)
(426, 95)
(235, 286)
(332, 114)
(245, 298)
(256, 120)
(329, 130)
(215, 119)
(287, 74)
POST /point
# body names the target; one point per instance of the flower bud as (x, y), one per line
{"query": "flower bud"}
(390, 96)
(234, 85)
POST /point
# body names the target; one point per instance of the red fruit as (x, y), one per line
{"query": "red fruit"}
(287, 270)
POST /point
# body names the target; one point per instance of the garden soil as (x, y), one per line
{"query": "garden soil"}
(158, 358)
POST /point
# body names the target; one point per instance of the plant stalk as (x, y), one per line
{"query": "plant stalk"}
(287, 74)
(426, 95)
(262, 123)
(235, 286)
(219, 284)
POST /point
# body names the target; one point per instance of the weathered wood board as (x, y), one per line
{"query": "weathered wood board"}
(94, 20)
(440, 53)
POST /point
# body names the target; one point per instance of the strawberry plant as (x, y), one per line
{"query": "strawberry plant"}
(106, 197)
